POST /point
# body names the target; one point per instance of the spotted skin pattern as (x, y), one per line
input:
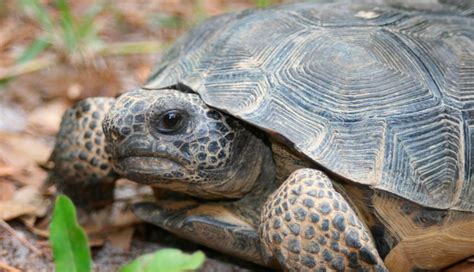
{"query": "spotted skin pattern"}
(82, 168)
(308, 226)
(201, 153)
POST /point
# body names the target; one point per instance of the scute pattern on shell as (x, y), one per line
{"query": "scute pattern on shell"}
(381, 96)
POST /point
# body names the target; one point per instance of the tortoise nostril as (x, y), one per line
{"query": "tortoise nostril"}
(115, 135)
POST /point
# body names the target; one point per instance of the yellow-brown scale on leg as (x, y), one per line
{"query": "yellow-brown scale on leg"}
(307, 225)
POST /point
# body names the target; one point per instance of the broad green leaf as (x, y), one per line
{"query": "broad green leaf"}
(38, 46)
(166, 260)
(69, 241)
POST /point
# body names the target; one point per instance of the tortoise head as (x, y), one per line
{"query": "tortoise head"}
(170, 139)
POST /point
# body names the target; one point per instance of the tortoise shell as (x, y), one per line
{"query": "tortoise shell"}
(379, 95)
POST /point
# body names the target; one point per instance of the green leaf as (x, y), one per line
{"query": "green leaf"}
(69, 241)
(167, 21)
(199, 12)
(39, 12)
(38, 46)
(263, 3)
(67, 24)
(86, 25)
(166, 260)
(4, 82)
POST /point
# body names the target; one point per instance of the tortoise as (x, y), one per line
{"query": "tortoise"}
(301, 137)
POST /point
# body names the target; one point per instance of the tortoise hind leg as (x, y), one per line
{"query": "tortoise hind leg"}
(81, 164)
(427, 238)
(307, 225)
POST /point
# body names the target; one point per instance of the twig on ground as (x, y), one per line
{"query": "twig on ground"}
(124, 220)
(127, 48)
(21, 239)
(4, 266)
(29, 67)
(37, 231)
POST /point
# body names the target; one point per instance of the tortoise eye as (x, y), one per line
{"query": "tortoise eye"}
(170, 122)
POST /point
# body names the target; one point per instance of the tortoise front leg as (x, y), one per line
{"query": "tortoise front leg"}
(82, 169)
(307, 225)
(215, 225)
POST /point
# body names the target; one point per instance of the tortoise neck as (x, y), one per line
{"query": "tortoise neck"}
(249, 206)
(256, 171)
